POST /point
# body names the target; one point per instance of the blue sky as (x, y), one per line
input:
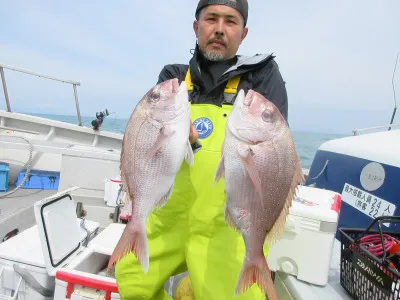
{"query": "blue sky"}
(337, 57)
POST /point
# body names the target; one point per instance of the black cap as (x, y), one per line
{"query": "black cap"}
(240, 5)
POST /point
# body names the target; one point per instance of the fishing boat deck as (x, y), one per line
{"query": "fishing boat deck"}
(16, 209)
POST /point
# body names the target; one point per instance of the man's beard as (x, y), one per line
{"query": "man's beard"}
(214, 56)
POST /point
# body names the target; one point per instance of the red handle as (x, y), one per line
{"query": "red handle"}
(337, 203)
(93, 283)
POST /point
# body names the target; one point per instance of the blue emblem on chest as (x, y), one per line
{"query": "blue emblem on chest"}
(204, 127)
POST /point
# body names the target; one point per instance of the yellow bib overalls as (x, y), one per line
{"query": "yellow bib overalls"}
(189, 232)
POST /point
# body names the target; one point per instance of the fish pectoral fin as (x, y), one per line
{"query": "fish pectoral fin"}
(220, 170)
(189, 157)
(165, 132)
(246, 155)
(164, 199)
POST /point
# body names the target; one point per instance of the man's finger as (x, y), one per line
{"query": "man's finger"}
(194, 138)
(193, 135)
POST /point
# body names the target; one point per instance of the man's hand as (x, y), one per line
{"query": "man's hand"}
(193, 138)
(193, 135)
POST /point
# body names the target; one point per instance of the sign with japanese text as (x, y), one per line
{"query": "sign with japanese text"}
(367, 203)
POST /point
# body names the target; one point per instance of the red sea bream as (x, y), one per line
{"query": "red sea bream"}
(261, 170)
(155, 144)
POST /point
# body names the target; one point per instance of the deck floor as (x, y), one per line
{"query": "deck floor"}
(16, 209)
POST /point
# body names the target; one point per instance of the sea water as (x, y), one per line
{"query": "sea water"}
(306, 143)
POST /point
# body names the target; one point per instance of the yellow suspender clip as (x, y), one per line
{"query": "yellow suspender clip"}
(231, 86)
(188, 80)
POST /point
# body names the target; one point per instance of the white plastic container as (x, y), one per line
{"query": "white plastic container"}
(293, 289)
(85, 277)
(305, 248)
(28, 261)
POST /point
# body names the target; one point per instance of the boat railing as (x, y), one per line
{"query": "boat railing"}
(74, 84)
(357, 131)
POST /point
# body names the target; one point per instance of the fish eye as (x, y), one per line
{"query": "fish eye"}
(155, 96)
(266, 115)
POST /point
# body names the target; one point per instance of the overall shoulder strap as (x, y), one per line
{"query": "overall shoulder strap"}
(230, 90)
(188, 80)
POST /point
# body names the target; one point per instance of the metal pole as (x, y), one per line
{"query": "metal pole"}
(77, 106)
(38, 74)
(391, 121)
(394, 91)
(3, 79)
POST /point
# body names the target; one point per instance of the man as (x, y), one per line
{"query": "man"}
(189, 232)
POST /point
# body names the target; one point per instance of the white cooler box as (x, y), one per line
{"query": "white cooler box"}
(86, 277)
(305, 248)
(29, 260)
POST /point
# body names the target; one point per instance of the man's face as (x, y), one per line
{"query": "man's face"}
(219, 32)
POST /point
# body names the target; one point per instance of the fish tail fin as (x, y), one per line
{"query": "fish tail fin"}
(134, 239)
(256, 273)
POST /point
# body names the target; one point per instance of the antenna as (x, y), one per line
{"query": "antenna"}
(394, 91)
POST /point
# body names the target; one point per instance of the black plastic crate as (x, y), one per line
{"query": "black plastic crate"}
(364, 275)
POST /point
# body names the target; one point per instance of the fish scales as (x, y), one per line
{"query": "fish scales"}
(154, 146)
(261, 170)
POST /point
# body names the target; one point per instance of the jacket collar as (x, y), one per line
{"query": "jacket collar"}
(242, 65)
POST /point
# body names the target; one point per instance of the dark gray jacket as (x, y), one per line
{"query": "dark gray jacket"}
(260, 73)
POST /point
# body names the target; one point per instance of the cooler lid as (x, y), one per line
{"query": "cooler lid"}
(58, 230)
(24, 248)
(317, 204)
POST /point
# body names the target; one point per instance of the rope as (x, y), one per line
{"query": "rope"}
(322, 171)
(374, 245)
(27, 166)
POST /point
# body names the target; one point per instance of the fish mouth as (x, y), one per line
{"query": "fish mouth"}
(181, 98)
(179, 108)
(239, 134)
(182, 90)
(239, 129)
(175, 85)
(248, 99)
(239, 114)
